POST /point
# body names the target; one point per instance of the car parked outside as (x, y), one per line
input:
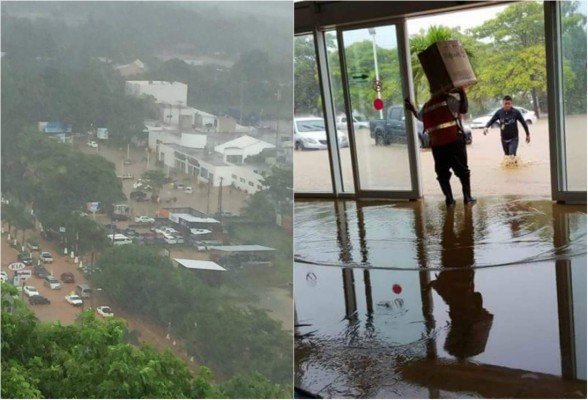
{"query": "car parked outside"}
(40, 271)
(310, 134)
(25, 259)
(30, 291)
(51, 282)
(143, 219)
(38, 299)
(46, 257)
(105, 311)
(74, 300)
(68, 277)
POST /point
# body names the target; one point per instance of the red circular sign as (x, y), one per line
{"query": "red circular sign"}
(396, 288)
(378, 104)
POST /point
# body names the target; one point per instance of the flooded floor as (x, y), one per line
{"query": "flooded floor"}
(409, 300)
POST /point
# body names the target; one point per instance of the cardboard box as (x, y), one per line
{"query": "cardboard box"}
(447, 66)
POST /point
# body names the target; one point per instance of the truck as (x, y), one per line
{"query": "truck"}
(393, 129)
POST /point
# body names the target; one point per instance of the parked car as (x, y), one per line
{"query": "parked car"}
(480, 122)
(143, 219)
(393, 129)
(68, 277)
(46, 257)
(310, 134)
(38, 299)
(92, 143)
(25, 259)
(30, 291)
(74, 300)
(105, 311)
(51, 282)
(180, 186)
(111, 227)
(3, 276)
(137, 195)
(188, 189)
(33, 244)
(40, 271)
(358, 123)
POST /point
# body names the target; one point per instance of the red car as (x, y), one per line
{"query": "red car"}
(68, 277)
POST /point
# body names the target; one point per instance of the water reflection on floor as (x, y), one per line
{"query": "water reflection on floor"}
(411, 300)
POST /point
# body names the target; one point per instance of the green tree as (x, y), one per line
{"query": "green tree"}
(516, 60)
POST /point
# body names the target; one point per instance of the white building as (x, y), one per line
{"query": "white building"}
(190, 118)
(174, 93)
(202, 155)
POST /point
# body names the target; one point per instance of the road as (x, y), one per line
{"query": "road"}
(386, 167)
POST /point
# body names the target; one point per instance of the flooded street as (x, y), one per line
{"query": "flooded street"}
(386, 167)
(411, 300)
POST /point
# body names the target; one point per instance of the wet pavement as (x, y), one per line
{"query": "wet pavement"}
(409, 300)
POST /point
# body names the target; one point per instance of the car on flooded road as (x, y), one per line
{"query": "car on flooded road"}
(38, 299)
(105, 311)
(30, 291)
(25, 259)
(74, 300)
(46, 257)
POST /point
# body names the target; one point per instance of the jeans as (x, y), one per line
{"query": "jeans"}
(510, 146)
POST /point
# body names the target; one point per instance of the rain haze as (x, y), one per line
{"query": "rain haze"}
(146, 199)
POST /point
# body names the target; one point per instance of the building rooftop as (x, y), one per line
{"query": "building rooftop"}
(214, 158)
(242, 143)
(199, 264)
(242, 248)
(191, 218)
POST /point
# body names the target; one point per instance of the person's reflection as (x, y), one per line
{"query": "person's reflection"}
(470, 321)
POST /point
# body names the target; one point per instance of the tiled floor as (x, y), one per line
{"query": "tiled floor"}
(410, 300)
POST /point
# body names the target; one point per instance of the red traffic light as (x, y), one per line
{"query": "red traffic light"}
(378, 104)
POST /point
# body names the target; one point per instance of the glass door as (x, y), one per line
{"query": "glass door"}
(374, 76)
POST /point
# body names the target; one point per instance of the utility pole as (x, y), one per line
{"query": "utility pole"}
(220, 200)
(208, 198)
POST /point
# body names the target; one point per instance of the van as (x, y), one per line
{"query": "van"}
(51, 282)
(84, 291)
(118, 239)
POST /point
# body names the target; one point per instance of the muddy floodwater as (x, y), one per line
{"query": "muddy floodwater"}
(386, 167)
(409, 300)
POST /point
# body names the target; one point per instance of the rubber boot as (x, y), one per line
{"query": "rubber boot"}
(467, 191)
(446, 189)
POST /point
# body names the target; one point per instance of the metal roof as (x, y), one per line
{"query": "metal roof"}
(251, 247)
(199, 264)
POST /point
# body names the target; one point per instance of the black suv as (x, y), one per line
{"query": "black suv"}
(40, 271)
(25, 259)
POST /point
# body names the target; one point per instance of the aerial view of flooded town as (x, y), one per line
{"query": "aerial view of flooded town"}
(146, 200)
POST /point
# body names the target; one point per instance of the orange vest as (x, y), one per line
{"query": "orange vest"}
(439, 122)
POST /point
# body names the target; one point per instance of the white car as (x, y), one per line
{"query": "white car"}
(188, 189)
(3, 276)
(31, 291)
(92, 144)
(480, 122)
(358, 123)
(46, 257)
(310, 134)
(143, 219)
(105, 311)
(74, 300)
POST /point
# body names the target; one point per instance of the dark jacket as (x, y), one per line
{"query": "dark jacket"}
(508, 123)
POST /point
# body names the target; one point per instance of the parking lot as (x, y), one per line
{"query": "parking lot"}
(386, 167)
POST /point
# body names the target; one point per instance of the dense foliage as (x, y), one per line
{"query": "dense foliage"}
(507, 54)
(230, 339)
(91, 359)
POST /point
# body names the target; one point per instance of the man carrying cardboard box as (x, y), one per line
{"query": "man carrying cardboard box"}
(441, 117)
